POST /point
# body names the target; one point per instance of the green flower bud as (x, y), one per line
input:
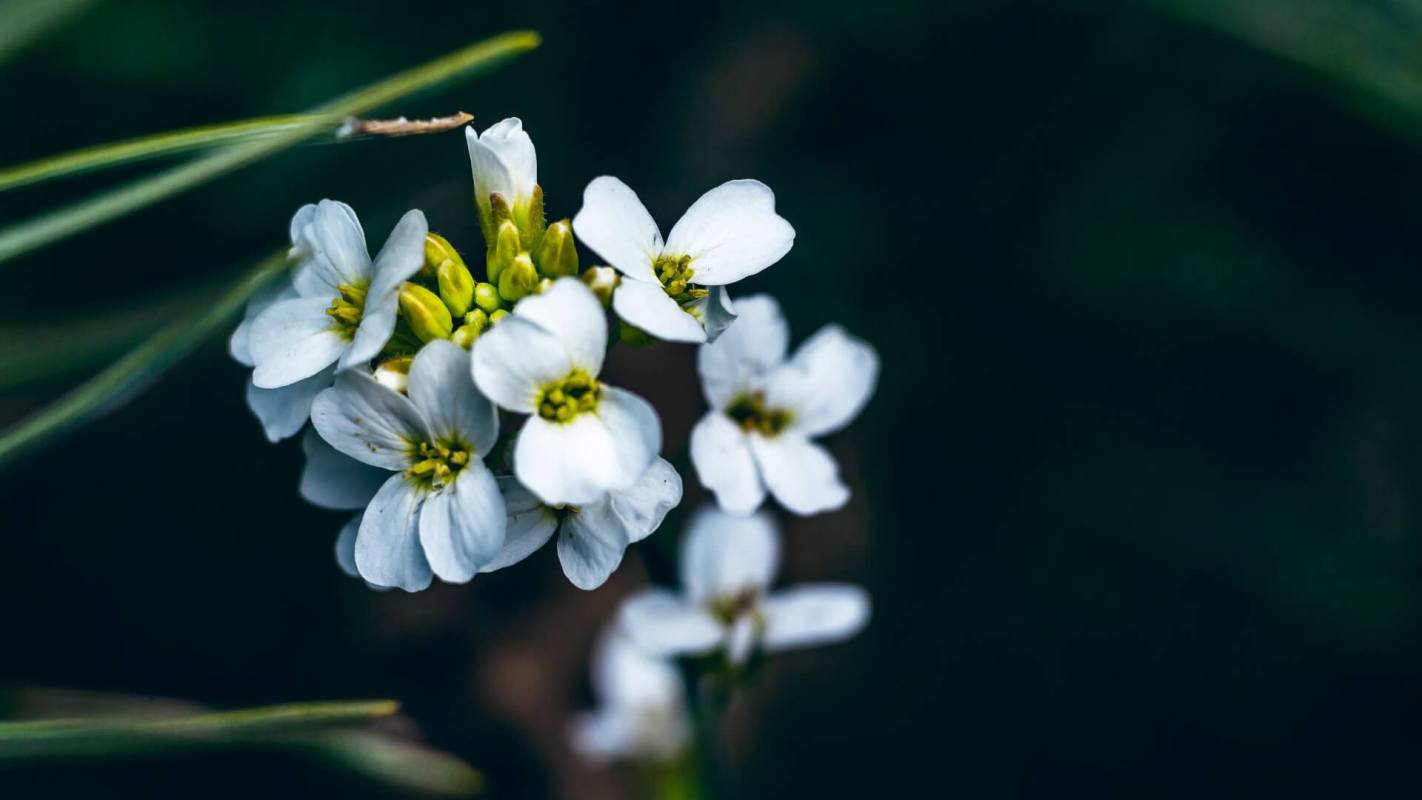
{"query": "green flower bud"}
(518, 279)
(506, 249)
(395, 373)
(557, 256)
(456, 286)
(464, 336)
(425, 312)
(478, 319)
(496, 316)
(486, 296)
(532, 225)
(602, 280)
(437, 251)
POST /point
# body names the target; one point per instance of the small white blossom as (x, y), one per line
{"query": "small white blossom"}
(641, 713)
(344, 308)
(730, 233)
(441, 512)
(583, 438)
(727, 564)
(504, 163)
(592, 537)
(765, 409)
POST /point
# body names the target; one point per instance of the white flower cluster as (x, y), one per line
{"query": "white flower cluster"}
(468, 421)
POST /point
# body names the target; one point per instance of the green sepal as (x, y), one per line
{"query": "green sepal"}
(426, 313)
(506, 249)
(518, 279)
(557, 255)
(456, 286)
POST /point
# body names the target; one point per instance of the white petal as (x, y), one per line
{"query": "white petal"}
(724, 554)
(643, 506)
(368, 421)
(238, 345)
(744, 356)
(664, 624)
(731, 232)
(530, 525)
(802, 475)
(503, 160)
(333, 480)
(721, 452)
(827, 382)
(717, 312)
(604, 735)
(571, 312)
(462, 525)
(296, 229)
(402, 256)
(388, 551)
(515, 359)
(336, 242)
(293, 340)
(813, 614)
(442, 388)
(345, 547)
(614, 224)
(594, 453)
(625, 675)
(647, 306)
(283, 411)
(591, 542)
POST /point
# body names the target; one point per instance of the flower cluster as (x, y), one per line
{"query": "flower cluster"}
(467, 420)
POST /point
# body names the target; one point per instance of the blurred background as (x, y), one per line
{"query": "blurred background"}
(1135, 498)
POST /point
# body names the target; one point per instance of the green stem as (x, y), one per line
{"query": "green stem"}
(711, 698)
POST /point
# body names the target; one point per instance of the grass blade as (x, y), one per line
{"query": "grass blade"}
(49, 228)
(398, 764)
(137, 367)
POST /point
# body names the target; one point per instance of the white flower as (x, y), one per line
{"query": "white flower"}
(765, 409)
(441, 512)
(641, 714)
(592, 537)
(730, 233)
(344, 307)
(727, 563)
(583, 438)
(504, 163)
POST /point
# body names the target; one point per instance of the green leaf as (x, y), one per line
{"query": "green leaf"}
(27, 21)
(137, 367)
(125, 735)
(56, 225)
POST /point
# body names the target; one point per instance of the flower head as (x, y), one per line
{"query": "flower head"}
(674, 290)
(504, 164)
(727, 564)
(765, 409)
(441, 512)
(592, 537)
(344, 307)
(641, 714)
(583, 438)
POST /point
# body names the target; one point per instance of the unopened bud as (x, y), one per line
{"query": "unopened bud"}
(437, 251)
(395, 373)
(532, 225)
(425, 312)
(495, 317)
(518, 279)
(557, 256)
(486, 296)
(602, 280)
(464, 336)
(506, 249)
(456, 286)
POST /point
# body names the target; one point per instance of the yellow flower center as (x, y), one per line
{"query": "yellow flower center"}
(348, 309)
(749, 412)
(675, 273)
(435, 465)
(563, 400)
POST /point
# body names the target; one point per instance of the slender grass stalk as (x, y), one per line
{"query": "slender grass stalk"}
(137, 367)
(168, 143)
(395, 763)
(54, 226)
(23, 22)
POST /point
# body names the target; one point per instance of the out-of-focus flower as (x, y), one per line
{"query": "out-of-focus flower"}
(675, 290)
(592, 537)
(641, 714)
(765, 410)
(441, 513)
(345, 306)
(583, 438)
(727, 564)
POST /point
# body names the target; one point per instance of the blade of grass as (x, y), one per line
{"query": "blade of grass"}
(398, 764)
(114, 735)
(51, 227)
(139, 365)
(158, 145)
(27, 21)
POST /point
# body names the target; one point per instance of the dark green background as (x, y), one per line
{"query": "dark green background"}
(1135, 497)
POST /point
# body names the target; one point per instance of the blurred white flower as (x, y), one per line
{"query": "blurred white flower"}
(592, 537)
(765, 409)
(504, 163)
(441, 512)
(641, 714)
(583, 438)
(727, 564)
(730, 233)
(344, 306)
